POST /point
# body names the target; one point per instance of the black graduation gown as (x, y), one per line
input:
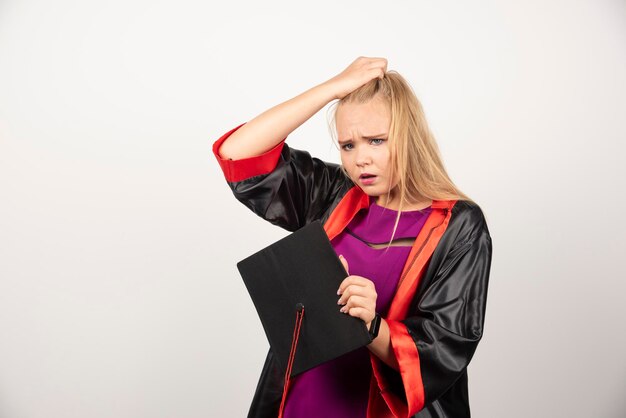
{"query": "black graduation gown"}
(436, 318)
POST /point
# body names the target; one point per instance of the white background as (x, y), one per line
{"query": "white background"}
(119, 294)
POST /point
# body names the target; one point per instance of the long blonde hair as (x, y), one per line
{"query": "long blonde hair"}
(415, 157)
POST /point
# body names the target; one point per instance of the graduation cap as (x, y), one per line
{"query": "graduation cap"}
(293, 284)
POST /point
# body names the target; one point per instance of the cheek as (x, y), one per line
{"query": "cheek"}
(346, 162)
(383, 161)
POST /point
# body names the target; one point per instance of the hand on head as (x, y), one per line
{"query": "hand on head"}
(359, 72)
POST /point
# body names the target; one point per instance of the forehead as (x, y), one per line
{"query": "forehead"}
(362, 119)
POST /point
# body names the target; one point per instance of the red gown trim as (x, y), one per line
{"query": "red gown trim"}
(238, 170)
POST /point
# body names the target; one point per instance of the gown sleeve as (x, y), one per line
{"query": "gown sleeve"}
(284, 186)
(436, 341)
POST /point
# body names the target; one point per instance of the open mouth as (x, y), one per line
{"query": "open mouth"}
(367, 178)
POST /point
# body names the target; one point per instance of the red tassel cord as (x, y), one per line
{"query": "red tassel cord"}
(292, 355)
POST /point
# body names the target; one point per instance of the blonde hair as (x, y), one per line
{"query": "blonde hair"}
(415, 158)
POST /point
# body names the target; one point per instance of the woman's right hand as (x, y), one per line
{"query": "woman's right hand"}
(362, 70)
(268, 129)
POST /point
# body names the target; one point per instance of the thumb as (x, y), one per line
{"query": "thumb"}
(345, 263)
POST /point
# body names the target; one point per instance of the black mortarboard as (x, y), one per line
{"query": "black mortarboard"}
(302, 268)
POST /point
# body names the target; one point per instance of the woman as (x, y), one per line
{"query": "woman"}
(418, 251)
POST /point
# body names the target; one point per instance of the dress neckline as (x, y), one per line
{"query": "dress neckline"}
(373, 204)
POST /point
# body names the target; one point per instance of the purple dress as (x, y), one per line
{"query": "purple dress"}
(339, 388)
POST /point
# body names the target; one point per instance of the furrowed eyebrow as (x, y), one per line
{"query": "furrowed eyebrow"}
(379, 136)
(374, 136)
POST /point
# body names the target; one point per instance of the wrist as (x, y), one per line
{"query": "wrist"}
(374, 326)
(330, 90)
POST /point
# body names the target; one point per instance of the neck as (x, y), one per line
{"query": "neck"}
(393, 203)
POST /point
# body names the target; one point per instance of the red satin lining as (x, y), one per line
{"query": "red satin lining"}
(238, 170)
(350, 204)
(409, 366)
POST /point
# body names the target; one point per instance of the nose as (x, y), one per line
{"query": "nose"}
(363, 157)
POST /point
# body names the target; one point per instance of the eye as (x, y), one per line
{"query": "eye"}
(345, 147)
(377, 141)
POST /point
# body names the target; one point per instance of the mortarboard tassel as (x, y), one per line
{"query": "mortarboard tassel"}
(292, 354)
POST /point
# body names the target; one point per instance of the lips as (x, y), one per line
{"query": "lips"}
(367, 178)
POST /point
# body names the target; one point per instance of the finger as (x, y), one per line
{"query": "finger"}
(359, 302)
(354, 290)
(376, 71)
(377, 60)
(359, 312)
(381, 71)
(354, 280)
(378, 63)
(345, 263)
(379, 66)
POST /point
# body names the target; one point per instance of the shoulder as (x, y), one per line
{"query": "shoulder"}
(467, 211)
(467, 223)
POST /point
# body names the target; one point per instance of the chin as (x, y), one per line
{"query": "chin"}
(372, 193)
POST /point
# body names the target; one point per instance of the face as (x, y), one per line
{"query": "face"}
(363, 132)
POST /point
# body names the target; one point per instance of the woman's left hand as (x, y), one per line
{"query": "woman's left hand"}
(358, 295)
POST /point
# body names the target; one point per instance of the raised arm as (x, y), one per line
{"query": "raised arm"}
(268, 129)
